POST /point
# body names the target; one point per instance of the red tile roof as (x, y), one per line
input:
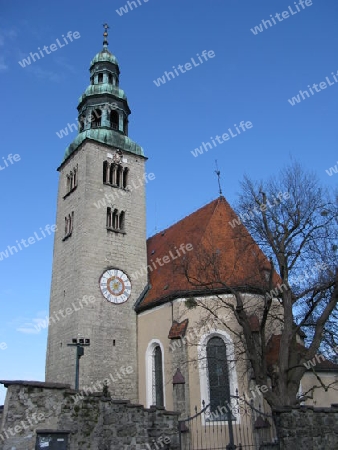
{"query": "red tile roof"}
(218, 252)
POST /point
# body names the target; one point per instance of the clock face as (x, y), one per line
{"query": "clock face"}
(115, 286)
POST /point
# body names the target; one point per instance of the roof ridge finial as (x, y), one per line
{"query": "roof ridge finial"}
(218, 173)
(105, 35)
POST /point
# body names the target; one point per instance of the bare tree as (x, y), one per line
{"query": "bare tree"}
(294, 222)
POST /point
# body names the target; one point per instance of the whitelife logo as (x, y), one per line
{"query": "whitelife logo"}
(187, 66)
(284, 14)
(221, 139)
(10, 160)
(332, 170)
(70, 35)
(49, 229)
(316, 87)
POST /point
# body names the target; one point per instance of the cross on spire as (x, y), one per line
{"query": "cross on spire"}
(218, 173)
(105, 35)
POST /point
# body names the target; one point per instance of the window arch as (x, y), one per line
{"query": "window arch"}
(95, 118)
(69, 223)
(71, 180)
(155, 385)
(217, 370)
(125, 178)
(115, 220)
(105, 172)
(157, 380)
(218, 373)
(115, 174)
(114, 120)
(121, 221)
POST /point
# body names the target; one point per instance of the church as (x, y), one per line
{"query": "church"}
(146, 320)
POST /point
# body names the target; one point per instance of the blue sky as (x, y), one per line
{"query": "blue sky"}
(250, 78)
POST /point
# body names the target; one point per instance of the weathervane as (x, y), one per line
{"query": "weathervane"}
(105, 34)
(218, 173)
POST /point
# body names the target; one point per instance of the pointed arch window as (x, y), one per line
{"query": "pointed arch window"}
(157, 380)
(218, 373)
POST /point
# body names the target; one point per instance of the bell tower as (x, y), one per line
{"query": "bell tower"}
(100, 242)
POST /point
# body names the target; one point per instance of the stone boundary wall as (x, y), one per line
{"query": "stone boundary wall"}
(307, 428)
(94, 422)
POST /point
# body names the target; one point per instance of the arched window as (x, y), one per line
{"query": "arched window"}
(125, 177)
(69, 221)
(68, 183)
(115, 220)
(82, 119)
(95, 118)
(100, 78)
(155, 376)
(121, 221)
(218, 373)
(105, 172)
(66, 226)
(114, 120)
(110, 78)
(119, 176)
(157, 384)
(109, 218)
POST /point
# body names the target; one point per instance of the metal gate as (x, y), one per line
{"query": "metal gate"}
(239, 427)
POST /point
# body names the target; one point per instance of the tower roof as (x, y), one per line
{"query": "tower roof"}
(104, 56)
(220, 252)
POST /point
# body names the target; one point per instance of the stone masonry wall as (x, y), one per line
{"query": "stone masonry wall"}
(94, 422)
(308, 428)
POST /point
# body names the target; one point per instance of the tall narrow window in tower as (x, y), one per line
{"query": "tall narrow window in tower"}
(157, 382)
(109, 218)
(106, 167)
(115, 220)
(100, 78)
(218, 373)
(113, 174)
(69, 221)
(119, 176)
(96, 118)
(125, 177)
(82, 119)
(71, 180)
(114, 120)
(121, 221)
(68, 184)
